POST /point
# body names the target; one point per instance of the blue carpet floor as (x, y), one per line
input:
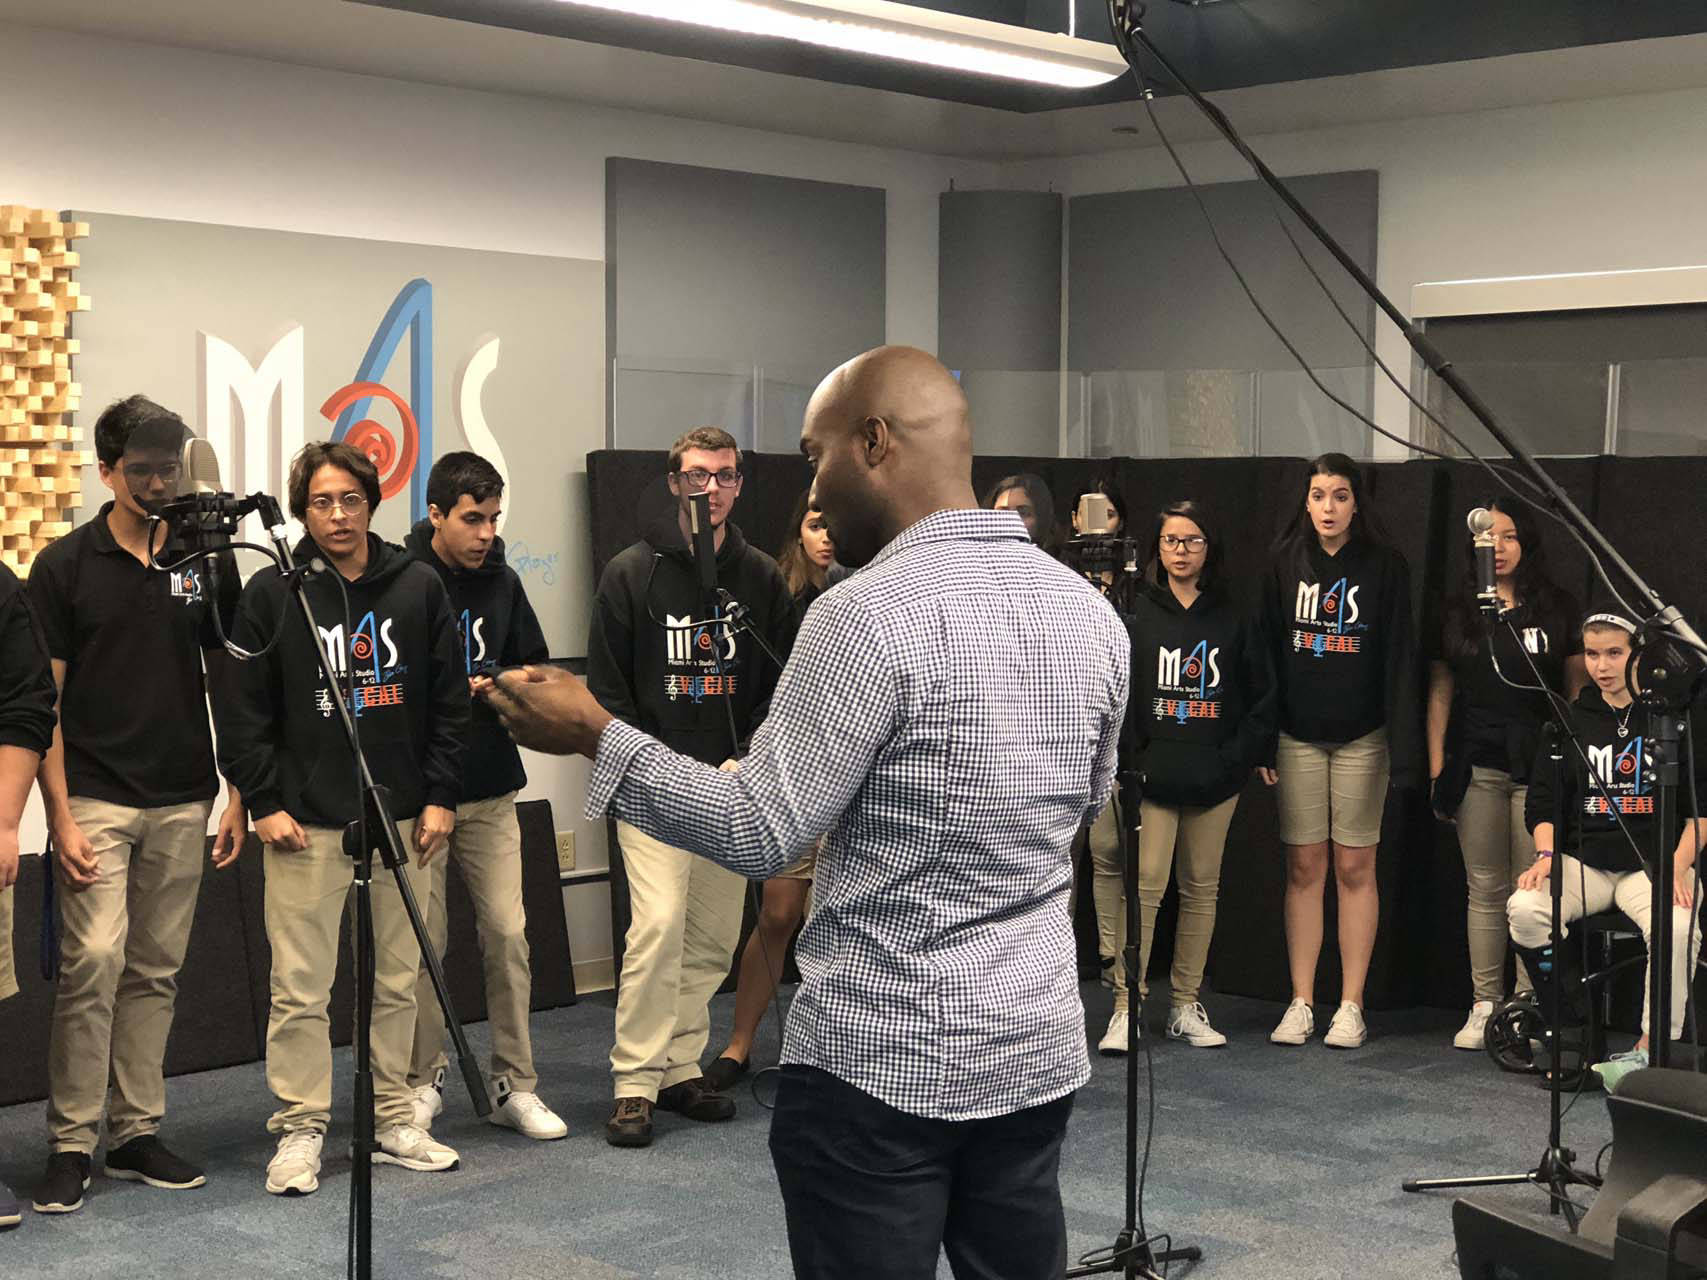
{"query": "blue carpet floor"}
(1279, 1163)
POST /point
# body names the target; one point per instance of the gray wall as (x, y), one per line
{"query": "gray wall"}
(999, 313)
(1147, 291)
(711, 274)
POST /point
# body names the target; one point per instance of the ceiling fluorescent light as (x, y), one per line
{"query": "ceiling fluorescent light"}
(880, 28)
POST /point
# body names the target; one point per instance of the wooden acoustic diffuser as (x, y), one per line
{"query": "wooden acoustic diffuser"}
(40, 458)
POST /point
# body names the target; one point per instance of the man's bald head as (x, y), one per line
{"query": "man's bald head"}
(890, 439)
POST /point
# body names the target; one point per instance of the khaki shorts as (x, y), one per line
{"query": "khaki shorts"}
(8, 974)
(803, 867)
(1332, 789)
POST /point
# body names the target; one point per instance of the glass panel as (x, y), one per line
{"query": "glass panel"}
(1553, 409)
(655, 402)
(783, 393)
(1014, 413)
(1151, 413)
(1662, 407)
(1295, 420)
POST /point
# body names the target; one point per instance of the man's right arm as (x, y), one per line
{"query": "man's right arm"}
(50, 596)
(245, 717)
(610, 649)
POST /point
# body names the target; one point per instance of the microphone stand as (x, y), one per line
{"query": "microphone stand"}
(1131, 1255)
(375, 831)
(1674, 648)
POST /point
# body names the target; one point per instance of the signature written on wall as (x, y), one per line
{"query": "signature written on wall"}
(520, 558)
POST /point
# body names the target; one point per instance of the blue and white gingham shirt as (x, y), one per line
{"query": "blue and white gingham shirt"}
(949, 716)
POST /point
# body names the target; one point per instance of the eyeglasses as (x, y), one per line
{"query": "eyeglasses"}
(350, 504)
(143, 472)
(698, 478)
(1192, 542)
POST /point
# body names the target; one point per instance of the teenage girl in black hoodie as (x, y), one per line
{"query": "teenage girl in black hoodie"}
(1201, 717)
(1337, 613)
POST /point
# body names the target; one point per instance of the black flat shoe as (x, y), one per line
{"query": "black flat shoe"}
(691, 1098)
(724, 1072)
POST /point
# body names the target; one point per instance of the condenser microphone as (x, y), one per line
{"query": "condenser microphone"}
(1480, 522)
(198, 468)
(704, 545)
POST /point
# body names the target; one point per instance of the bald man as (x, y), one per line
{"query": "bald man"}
(948, 716)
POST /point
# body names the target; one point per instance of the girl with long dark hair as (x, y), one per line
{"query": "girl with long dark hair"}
(1337, 613)
(1200, 719)
(1483, 734)
(805, 561)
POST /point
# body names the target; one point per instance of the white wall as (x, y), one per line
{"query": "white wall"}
(1610, 184)
(174, 133)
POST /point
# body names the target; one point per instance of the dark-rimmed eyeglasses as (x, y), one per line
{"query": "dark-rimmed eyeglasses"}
(698, 478)
(1193, 542)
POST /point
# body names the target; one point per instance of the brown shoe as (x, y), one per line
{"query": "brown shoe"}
(630, 1125)
(697, 1100)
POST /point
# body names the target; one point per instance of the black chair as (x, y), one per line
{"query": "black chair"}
(1648, 1219)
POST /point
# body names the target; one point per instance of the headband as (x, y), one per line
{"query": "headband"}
(1609, 620)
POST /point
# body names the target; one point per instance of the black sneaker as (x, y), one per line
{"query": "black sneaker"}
(723, 1072)
(64, 1183)
(146, 1159)
(697, 1101)
(11, 1212)
(630, 1125)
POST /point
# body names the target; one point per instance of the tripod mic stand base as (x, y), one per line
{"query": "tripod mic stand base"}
(1555, 1173)
(1132, 1257)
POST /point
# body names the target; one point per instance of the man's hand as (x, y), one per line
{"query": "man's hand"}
(1536, 876)
(1269, 776)
(1682, 885)
(228, 839)
(546, 709)
(432, 829)
(282, 832)
(76, 856)
(8, 863)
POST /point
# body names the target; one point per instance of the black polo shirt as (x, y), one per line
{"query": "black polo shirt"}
(134, 709)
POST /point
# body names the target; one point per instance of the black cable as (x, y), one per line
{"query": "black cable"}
(1500, 474)
(1599, 1156)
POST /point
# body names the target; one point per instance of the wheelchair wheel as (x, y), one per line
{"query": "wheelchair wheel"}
(1510, 1029)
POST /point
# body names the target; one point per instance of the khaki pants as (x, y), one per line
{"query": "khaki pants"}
(123, 942)
(487, 846)
(1191, 839)
(686, 922)
(8, 971)
(307, 894)
(1497, 850)
(1530, 912)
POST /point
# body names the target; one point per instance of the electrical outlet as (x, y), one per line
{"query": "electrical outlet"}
(565, 851)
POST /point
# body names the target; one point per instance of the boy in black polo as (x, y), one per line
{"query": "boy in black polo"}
(129, 784)
(497, 627)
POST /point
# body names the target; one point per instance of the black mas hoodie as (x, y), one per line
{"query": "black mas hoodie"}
(670, 682)
(1345, 652)
(1202, 713)
(1625, 765)
(280, 742)
(495, 627)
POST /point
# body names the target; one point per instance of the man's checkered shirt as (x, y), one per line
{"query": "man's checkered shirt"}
(949, 716)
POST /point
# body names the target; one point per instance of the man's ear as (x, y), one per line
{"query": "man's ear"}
(876, 440)
(436, 516)
(675, 488)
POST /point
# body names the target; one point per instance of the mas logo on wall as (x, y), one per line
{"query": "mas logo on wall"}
(264, 340)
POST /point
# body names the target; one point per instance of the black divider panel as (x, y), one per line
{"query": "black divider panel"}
(1651, 509)
(24, 1019)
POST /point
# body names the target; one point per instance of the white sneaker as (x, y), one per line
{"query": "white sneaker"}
(1190, 1022)
(1114, 1039)
(1474, 1033)
(428, 1102)
(1296, 1024)
(526, 1114)
(294, 1169)
(1347, 1030)
(413, 1148)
